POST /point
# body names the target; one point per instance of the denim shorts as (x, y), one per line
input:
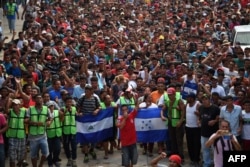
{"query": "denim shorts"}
(36, 145)
(17, 149)
(129, 155)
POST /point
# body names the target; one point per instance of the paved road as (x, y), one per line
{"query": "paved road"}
(114, 159)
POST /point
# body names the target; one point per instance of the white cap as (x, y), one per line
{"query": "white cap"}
(44, 32)
(16, 101)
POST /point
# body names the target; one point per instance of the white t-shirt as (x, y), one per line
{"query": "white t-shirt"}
(220, 90)
(143, 105)
(161, 101)
(230, 73)
(191, 118)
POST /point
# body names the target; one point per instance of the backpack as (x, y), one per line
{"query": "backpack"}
(83, 98)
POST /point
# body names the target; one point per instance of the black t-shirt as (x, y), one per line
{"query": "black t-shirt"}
(207, 114)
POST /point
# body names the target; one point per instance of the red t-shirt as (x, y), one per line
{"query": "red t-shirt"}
(35, 77)
(128, 132)
(3, 122)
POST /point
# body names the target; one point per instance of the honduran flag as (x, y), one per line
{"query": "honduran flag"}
(149, 126)
(95, 128)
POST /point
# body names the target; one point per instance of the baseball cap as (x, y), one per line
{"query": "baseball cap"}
(160, 80)
(25, 42)
(16, 101)
(175, 158)
(88, 86)
(65, 59)
(184, 64)
(50, 103)
(215, 77)
(205, 96)
(220, 68)
(171, 91)
(191, 95)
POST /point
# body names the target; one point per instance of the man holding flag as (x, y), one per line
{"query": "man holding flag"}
(126, 124)
(108, 103)
(88, 104)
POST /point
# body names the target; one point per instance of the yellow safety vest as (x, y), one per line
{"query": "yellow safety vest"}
(11, 9)
(130, 104)
(38, 117)
(175, 114)
(69, 123)
(16, 124)
(55, 128)
(103, 106)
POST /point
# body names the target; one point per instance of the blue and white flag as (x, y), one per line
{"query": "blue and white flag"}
(149, 126)
(95, 128)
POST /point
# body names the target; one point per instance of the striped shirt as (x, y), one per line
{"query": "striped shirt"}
(88, 105)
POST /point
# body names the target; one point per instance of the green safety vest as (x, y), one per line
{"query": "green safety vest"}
(38, 117)
(124, 102)
(175, 114)
(11, 9)
(69, 123)
(16, 124)
(166, 98)
(103, 106)
(55, 128)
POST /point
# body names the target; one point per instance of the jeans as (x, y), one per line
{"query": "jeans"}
(69, 140)
(193, 136)
(206, 152)
(2, 155)
(54, 149)
(129, 155)
(12, 24)
(36, 145)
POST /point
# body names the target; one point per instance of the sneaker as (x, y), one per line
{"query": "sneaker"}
(25, 163)
(57, 164)
(86, 159)
(93, 154)
(150, 154)
(69, 163)
(106, 157)
(74, 163)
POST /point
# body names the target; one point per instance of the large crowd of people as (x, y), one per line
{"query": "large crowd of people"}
(74, 58)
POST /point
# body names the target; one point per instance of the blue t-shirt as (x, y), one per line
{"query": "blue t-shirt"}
(53, 94)
(14, 71)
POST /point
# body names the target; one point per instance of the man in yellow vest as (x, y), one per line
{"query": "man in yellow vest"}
(16, 133)
(127, 99)
(175, 118)
(39, 117)
(69, 131)
(54, 134)
(107, 104)
(11, 10)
